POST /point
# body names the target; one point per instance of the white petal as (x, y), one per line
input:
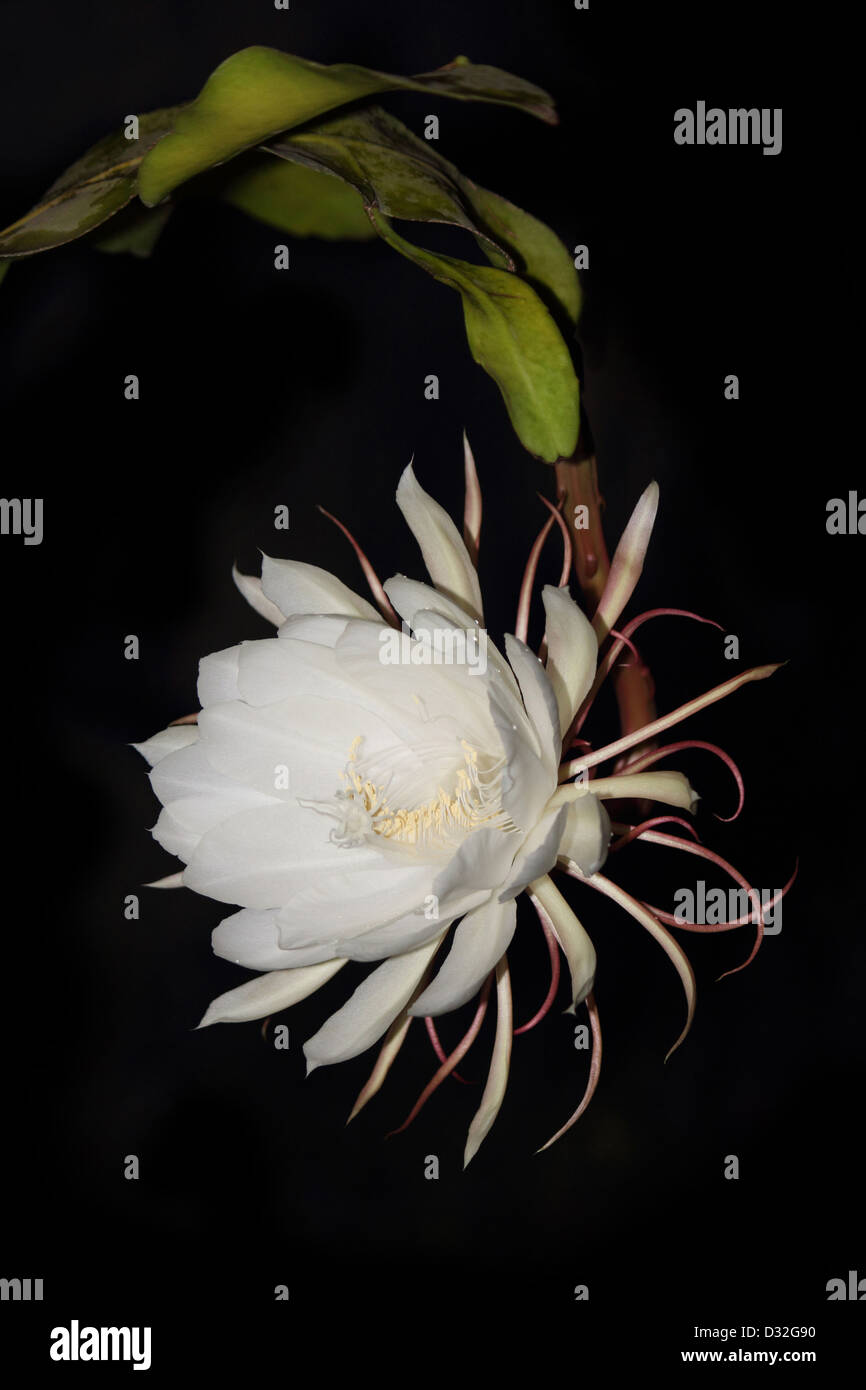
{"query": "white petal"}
(280, 674)
(472, 505)
(268, 994)
(586, 836)
(186, 772)
(311, 955)
(579, 950)
(672, 788)
(385, 1058)
(310, 736)
(410, 597)
(445, 555)
(271, 670)
(462, 650)
(363, 896)
(322, 629)
(417, 699)
(627, 563)
(296, 587)
(251, 588)
(480, 940)
(166, 741)
(497, 1077)
(411, 930)
(174, 837)
(169, 881)
(572, 652)
(538, 697)
(251, 939)
(199, 797)
(260, 858)
(481, 863)
(353, 673)
(538, 853)
(218, 677)
(371, 1009)
(527, 782)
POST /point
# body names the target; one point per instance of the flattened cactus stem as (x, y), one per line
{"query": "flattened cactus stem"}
(577, 484)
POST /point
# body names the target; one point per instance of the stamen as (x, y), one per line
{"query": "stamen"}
(361, 807)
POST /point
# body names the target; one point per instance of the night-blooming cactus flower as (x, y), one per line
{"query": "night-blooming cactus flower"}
(354, 788)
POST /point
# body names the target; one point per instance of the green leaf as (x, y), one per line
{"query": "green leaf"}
(540, 255)
(297, 200)
(93, 189)
(390, 167)
(514, 338)
(259, 92)
(510, 332)
(313, 188)
(403, 177)
(135, 230)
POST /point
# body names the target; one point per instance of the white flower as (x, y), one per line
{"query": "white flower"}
(354, 809)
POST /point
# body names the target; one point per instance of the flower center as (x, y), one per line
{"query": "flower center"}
(361, 806)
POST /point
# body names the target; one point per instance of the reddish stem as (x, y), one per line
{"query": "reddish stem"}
(577, 482)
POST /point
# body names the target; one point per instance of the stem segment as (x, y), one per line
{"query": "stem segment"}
(577, 484)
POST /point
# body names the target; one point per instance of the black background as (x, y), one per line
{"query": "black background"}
(261, 388)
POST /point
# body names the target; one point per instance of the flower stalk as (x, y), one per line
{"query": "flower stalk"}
(583, 505)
